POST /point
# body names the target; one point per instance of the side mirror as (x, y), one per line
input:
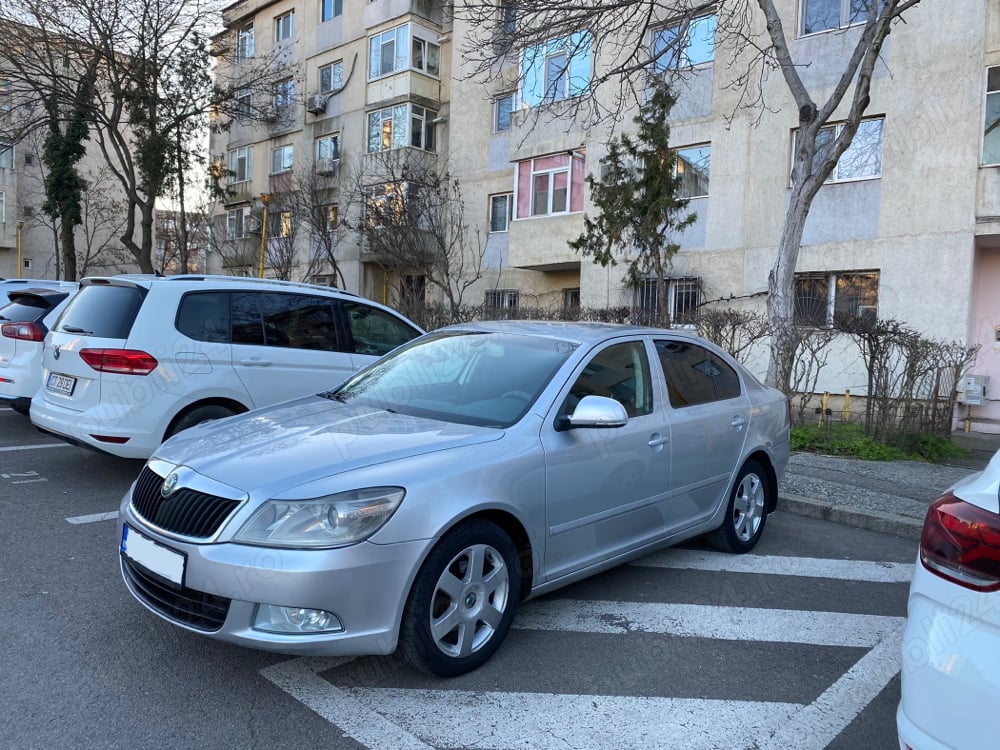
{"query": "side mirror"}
(595, 411)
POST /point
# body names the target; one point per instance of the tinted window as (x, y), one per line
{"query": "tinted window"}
(248, 325)
(300, 321)
(204, 316)
(694, 375)
(375, 331)
(620, 372)
(102, 310)
(25, 310)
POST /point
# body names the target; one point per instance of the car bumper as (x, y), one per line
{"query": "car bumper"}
(951, 667)
(126, 422)
(364, 585)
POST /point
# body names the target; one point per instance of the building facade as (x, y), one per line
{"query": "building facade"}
(907, 228)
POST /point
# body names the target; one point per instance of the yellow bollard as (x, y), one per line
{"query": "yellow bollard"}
(825, 406)
(847, 405)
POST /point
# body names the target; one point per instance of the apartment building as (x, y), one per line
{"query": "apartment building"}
(908, 226)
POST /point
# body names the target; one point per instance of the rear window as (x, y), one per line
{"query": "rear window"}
(25, 310)
(103, 311)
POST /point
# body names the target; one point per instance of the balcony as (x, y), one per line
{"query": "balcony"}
(378, 12)
(540, 244)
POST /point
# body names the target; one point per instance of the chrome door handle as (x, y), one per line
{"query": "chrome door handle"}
(655, 441)
(738, 423)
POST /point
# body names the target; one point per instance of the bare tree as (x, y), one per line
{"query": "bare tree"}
(316, 207)
(736, 331)
(518, 35)
(410, 217)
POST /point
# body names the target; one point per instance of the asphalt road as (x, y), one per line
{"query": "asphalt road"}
(795, 646)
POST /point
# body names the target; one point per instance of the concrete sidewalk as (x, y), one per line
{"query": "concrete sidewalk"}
(887, 496)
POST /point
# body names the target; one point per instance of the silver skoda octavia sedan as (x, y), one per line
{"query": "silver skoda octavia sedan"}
(416, 505)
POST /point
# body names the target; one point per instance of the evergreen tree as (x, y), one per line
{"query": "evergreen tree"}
(637, 194)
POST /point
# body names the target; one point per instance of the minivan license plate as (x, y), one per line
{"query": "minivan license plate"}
(153, 557)
(61, 383)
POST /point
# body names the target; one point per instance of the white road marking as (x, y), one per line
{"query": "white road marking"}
(810, 567)
(93, 518)
(10, 448)
(705, 621)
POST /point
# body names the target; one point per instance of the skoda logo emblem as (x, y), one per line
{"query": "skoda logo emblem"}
(169, 484)
(55, 352)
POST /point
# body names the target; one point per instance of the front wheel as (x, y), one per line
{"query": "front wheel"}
(198, 415)
(746, 513)
(462, 601)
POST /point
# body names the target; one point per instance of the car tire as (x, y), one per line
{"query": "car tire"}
(197, 416)
(746, 511)
(463, 600)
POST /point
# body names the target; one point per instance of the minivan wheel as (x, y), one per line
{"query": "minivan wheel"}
(746, 513)
(463, 600)
(198, 415)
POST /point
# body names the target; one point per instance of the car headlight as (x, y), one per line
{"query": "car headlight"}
(329, 521)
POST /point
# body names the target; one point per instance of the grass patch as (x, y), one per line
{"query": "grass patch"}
(849, 440)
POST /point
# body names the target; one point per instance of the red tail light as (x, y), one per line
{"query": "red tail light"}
(121, 361)
(23, 331)
(961, 542)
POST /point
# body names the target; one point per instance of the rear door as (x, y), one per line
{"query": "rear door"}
(287, 345)
(100, 316)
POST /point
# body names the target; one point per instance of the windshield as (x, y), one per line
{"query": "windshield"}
(485, 379)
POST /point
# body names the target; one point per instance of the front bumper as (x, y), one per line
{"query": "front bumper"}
(364, 585)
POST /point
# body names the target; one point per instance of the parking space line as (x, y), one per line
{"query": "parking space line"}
(93, 518)
(10, 448)
(810, 567)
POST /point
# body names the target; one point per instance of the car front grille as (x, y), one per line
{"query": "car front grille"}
(185, 512)
(193, 608)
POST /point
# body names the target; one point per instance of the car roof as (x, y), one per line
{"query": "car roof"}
(195, 280)
(579, 332)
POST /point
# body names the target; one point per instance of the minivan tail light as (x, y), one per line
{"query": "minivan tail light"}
(120, 361)
(23, 331)
(961, 543)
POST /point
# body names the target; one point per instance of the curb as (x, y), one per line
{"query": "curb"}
(872, 520)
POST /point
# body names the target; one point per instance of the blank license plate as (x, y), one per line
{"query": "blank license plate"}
(61, 383)
(153, 557)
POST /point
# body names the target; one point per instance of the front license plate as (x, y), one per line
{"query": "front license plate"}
(154, 557)
(61, 383)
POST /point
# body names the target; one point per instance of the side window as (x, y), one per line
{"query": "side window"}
(248, 328)
(374, 331)
(300, 321)
(620, 372)
(204, 316)
(694, 375)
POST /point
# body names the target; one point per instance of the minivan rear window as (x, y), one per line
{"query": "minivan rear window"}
(26, 309)
(102, 310)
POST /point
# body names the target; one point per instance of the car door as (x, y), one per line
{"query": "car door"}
(603, 486)
(709, 413)
(372, 332)
(286, 345)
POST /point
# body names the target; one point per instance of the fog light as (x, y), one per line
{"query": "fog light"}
(294, 620)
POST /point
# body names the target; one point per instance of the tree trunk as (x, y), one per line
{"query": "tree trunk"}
(68, 246)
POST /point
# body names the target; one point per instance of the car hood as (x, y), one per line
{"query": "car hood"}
(983, 487)
(288, 444)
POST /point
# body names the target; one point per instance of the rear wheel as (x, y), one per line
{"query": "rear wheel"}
(462, 601)
(746, 513)
(198, 415)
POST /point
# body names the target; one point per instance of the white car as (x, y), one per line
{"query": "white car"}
(24, 321)
(951, 646)
(10, 286)
(134, 359)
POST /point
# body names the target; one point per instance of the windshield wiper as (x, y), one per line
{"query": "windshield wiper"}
(76, 329)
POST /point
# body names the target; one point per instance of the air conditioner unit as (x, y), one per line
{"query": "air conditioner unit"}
(317, 103)
(327, 166)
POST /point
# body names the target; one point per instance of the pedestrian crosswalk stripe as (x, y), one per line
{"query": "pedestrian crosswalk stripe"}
(810, 567)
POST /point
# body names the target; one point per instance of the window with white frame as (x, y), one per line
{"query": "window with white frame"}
(279, 224)
(385, 204)
(556, 70)
(991, 127)
(825, 15)
(501, 211)
(503, 106)
(284, 26)
(406, 47)
(284, 94)
(692, 167)
(863, 158)
(6, 155)
(5, 95)
(237, 224)
(3, 207)
(550, 185)
(245, 43)
(330, 215)
(683, 298)
(331, 77)
(823, 298)
(401, 126)
(243, 107)
(281, 158)
(331, 9)
(502, 299)
(684, 45)
(328, 148)
(240, 164)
